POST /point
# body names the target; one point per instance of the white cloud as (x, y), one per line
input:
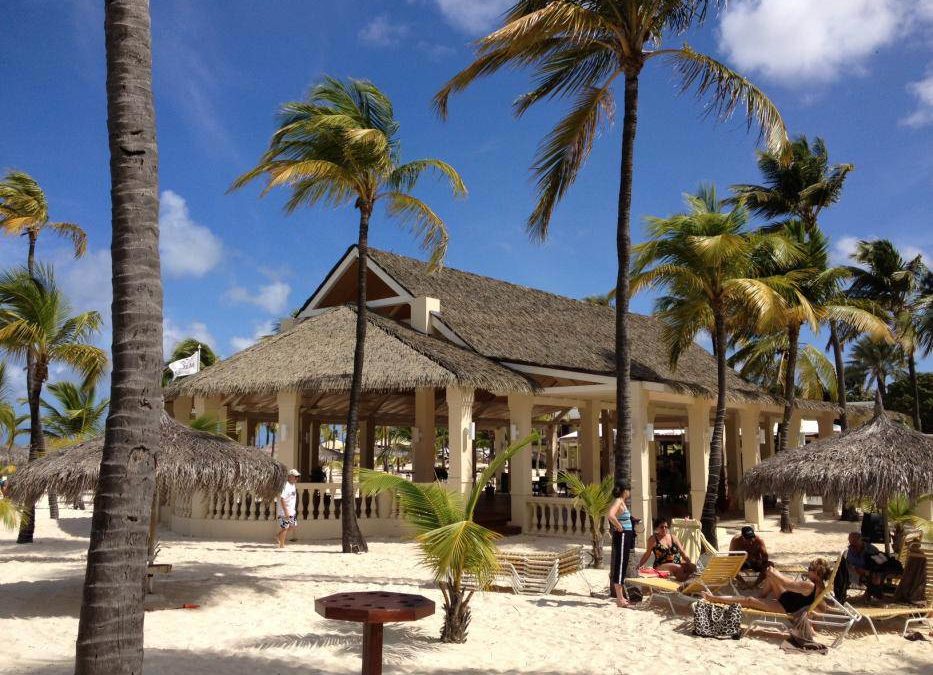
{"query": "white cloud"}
(802, 40)
(187, 248)
(87, 281)
(272, 297)
(241, 343)
(382, 32)
(173, 333)
(843, 249)
(473, 16)
(923, 92)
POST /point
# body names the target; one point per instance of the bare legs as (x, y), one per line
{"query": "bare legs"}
(680, 571)
(761, 604)
(280, 538)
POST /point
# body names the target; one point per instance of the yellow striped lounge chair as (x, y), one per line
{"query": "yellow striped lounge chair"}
(719, 573)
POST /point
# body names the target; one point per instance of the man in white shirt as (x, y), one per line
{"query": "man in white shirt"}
(285, 507)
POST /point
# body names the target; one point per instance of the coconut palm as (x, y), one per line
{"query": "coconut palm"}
(36, 323)
(76, 414)
(110, 629)
(11, 515)
(872, 363)
(706, 261)
(11, 424)
(814, 300)
(896, 284)
(761, 359)
(186, 348)
(340, 146)
(580, 50)
(801, 188)
(595, 499)
(453, 545)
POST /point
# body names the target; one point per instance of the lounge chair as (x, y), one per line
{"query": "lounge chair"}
(719, 572)
(536, 573)
(919, 615)
(838, 616)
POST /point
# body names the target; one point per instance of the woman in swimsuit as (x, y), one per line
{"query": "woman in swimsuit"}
(781, 594)
(668, 552)
(623, 541)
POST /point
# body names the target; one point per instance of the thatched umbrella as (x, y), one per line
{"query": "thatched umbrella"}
(188, 460)
(876, 461)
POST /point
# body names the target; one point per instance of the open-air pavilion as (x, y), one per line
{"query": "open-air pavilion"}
(479, 356)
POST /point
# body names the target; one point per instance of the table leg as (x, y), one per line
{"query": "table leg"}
(372, 649)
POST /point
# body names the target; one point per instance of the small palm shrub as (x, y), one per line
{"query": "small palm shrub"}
(595, 500)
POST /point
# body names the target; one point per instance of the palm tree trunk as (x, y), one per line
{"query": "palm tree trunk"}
(623, 440)
(914, 389)
(456, 613)
(840, 374)
(110, 630)
(351, 537)
(790, 369)
(708, 518)
(27, 525)
(31, 256)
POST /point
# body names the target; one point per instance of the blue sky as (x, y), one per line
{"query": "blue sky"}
(859, 73)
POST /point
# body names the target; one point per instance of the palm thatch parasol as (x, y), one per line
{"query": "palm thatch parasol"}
(189, 460)
(876, 461)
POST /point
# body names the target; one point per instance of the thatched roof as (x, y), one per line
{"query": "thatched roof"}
(860, 412)
(512, 323)
(188, 460)
(17, 455)
(317, 355)
(876, 460)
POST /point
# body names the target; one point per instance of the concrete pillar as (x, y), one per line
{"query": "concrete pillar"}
(768, 450)
(181, 409)
(731, 453)
(652, 466)
(589, 442)
(698, 449)
(641, 463)
(520, 406)
(424, 429)
(825, 430)
(460, 419)
(288, 439)
(751, 455)
(797, 512)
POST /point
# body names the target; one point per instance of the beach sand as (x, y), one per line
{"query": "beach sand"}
(257, 615)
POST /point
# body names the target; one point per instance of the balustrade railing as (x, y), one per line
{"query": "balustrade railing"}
(555, 517)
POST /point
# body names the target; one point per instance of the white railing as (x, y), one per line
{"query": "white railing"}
(555, 517)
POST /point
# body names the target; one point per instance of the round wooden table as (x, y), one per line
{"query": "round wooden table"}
(372, 609)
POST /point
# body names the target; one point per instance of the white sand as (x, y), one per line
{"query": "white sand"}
(257, 615)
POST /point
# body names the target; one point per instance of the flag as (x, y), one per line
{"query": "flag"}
(186, 366)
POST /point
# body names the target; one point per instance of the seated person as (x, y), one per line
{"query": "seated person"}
(668, 552)
(754, 547)
(782, 594)
(869, 565)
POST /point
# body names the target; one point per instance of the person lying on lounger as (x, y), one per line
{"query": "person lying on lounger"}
(782, 594)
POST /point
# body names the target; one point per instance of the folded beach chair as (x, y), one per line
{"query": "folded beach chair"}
(538, 573)
(719, 572)
(825, 610)
(914, 615)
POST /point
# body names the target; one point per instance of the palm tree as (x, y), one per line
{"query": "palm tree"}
(453, 545)
(595, 499)
(186, 348)
(78, 414)
(896, 284)
(110, 629)
(813, 300)
(762, 358)
(801, 189)
(872, 363)
(339, 147)
(36, 324)
(10, 422)
(578, 49)
(706, 262)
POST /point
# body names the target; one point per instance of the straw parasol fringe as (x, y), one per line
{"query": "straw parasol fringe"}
(877, 461)
(188, 461)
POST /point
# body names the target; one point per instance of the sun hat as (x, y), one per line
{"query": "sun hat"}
(294, 472)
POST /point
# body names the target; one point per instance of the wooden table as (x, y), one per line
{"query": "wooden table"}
(372, 609)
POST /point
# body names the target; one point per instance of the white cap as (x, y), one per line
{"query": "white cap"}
(294, 472)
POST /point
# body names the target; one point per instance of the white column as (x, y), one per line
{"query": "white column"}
(768, 450)
(520, 406)
(589, 442)
(641, 463)
(731, 454)
(287, 440)
(459, 421)
(698, 447)
(751, 455)
(797, 511)
(423, 460)
(214, 408)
